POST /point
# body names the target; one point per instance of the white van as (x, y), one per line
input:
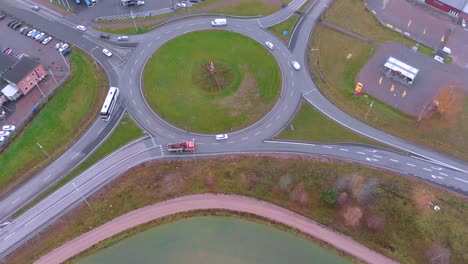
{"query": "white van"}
(122, 38)
(218, 22)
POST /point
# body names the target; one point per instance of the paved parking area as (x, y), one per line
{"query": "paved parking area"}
(424, 24)
(103, 8)
(17, 111)
(408, 98)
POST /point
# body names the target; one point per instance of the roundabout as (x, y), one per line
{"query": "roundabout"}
(211, 81)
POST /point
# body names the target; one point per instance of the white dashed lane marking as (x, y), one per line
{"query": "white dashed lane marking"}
(244, 138)
(409, 164)
(362, 153)
(394, 160)
(426, 169)
(342, 149)
(328, 147)
(377, 156)
(258, 133)
(460, 179)
(441, 173)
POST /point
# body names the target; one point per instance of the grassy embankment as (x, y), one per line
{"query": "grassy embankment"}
(286, 25)
(339, 80)
(62, 120)
(180, 88)
(384, 211)
(125, 132)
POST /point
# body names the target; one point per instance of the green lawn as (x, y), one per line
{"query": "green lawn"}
(174, 79)
(58, 124)
(407, 227)
(339, 80)
(311, 125)
(247, 8)
(287, 25)
(125, 132)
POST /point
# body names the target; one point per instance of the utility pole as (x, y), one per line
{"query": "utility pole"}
(82, 197)
(370, 106)
(53, 76)
(42, 148)
(43, 95)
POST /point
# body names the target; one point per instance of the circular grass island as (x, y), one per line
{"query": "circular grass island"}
(212, 81)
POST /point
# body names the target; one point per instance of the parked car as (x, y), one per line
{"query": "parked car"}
(296, 65)
(2, 139)
(81, 27)
(23, 29)
(26, 32)
(38, 36)
(8, 128)
(11, 22)
(2, 16)
(16, 26)
(58, 45)
(5, 50)
(104, 36)
(31, 32)
(35, 8)
(107, 52)
(4, 133)
(122, 38)
(221, 137)
(270, 45)
(42, 38)
(46, 40)
(463, 23)
(64, 47)
(33, 35)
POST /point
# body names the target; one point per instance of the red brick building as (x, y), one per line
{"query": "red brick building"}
(25, 74)
(455, 8)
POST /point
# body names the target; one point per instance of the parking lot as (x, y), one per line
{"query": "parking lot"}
(412, 98)
(103, 8)
(17, 111)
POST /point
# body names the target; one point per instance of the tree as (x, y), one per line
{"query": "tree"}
(330, 195)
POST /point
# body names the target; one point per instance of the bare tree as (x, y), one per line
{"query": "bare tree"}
(449, 101)
(366, 195)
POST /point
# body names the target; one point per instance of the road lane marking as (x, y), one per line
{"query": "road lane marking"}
(139, 111)
(394, 160)
(292, 84)
(141, 53)
(134, 102)
(460, 179)
(149, 45)
(328, 147)
(230, 142)
(362, 153)
(439, 169)
(426, 169)
(269, 125)
(409, 164)
(371, 159)
(278, 117)
(292, 93)
(74, 156)
(132, 71)
(377, 156)
(258, 133)
(148, 121)
(441, 173)
(244, 138)
(7, 237)
(15, 200)
(131, 91)
(285, 107)
(342, 149)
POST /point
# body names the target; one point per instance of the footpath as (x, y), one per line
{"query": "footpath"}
(214, 201)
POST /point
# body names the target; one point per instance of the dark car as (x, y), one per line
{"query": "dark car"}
(105, 36)
(15, 27)
(11, 23)
(27, 31)
(43, 37)
(2, 16)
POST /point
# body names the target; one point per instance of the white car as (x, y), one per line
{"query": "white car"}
(463, 23)
(46, 40)
(4, 133)
(140, 3)
(31, 32)
(64, 47)
(107, 52)
(269, 45)
(2, 139)
(81, 27)
(58, 45)
(296, 65)
(221, 137)
(38, 36)
(8, 128)
(122, 38)
(181, 5)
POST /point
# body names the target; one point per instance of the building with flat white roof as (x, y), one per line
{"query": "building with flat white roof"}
(402, 71)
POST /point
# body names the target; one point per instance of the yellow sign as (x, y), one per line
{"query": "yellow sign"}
(404, 93)
(425, 31)
(409, 23)
(358, 87)
(443, 38)
(380, 80)
(392, 88)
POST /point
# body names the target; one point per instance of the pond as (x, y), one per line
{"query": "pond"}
(211, 240)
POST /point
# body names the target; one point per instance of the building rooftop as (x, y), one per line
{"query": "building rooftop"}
(24, 66)
(458, 4)
(6, 62)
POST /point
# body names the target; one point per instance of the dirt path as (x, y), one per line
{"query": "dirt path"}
(213, 201)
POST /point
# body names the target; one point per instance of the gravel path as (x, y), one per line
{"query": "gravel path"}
(213, 201)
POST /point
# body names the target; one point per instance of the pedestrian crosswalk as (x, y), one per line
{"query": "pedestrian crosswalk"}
(137, 14)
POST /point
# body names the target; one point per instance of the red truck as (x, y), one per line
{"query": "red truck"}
(185, 146)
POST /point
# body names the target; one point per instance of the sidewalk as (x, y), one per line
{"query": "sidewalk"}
(214, 201)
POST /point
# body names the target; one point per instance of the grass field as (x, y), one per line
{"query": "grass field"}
(174, 76)
(125, 132)
(247, 8)
(58, 124)
(286, 25)
(339, 80)
(405, 227)
(311, 125)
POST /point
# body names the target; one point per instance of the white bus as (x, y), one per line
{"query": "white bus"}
(109, 103)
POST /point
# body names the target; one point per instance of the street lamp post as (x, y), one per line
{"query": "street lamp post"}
(66, 63)
(42, 148)
(53, 76)
(370, 106)
(82, 197)
(43, 95)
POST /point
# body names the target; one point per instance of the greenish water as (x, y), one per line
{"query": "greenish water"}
(210, 240)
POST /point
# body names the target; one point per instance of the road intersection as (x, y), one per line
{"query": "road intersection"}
(257, 138)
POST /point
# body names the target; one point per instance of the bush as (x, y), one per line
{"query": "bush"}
(330, 196)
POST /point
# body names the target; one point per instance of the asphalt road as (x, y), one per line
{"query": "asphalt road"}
(126, 75)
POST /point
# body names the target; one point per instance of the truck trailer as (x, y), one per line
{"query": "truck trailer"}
(185, 146)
